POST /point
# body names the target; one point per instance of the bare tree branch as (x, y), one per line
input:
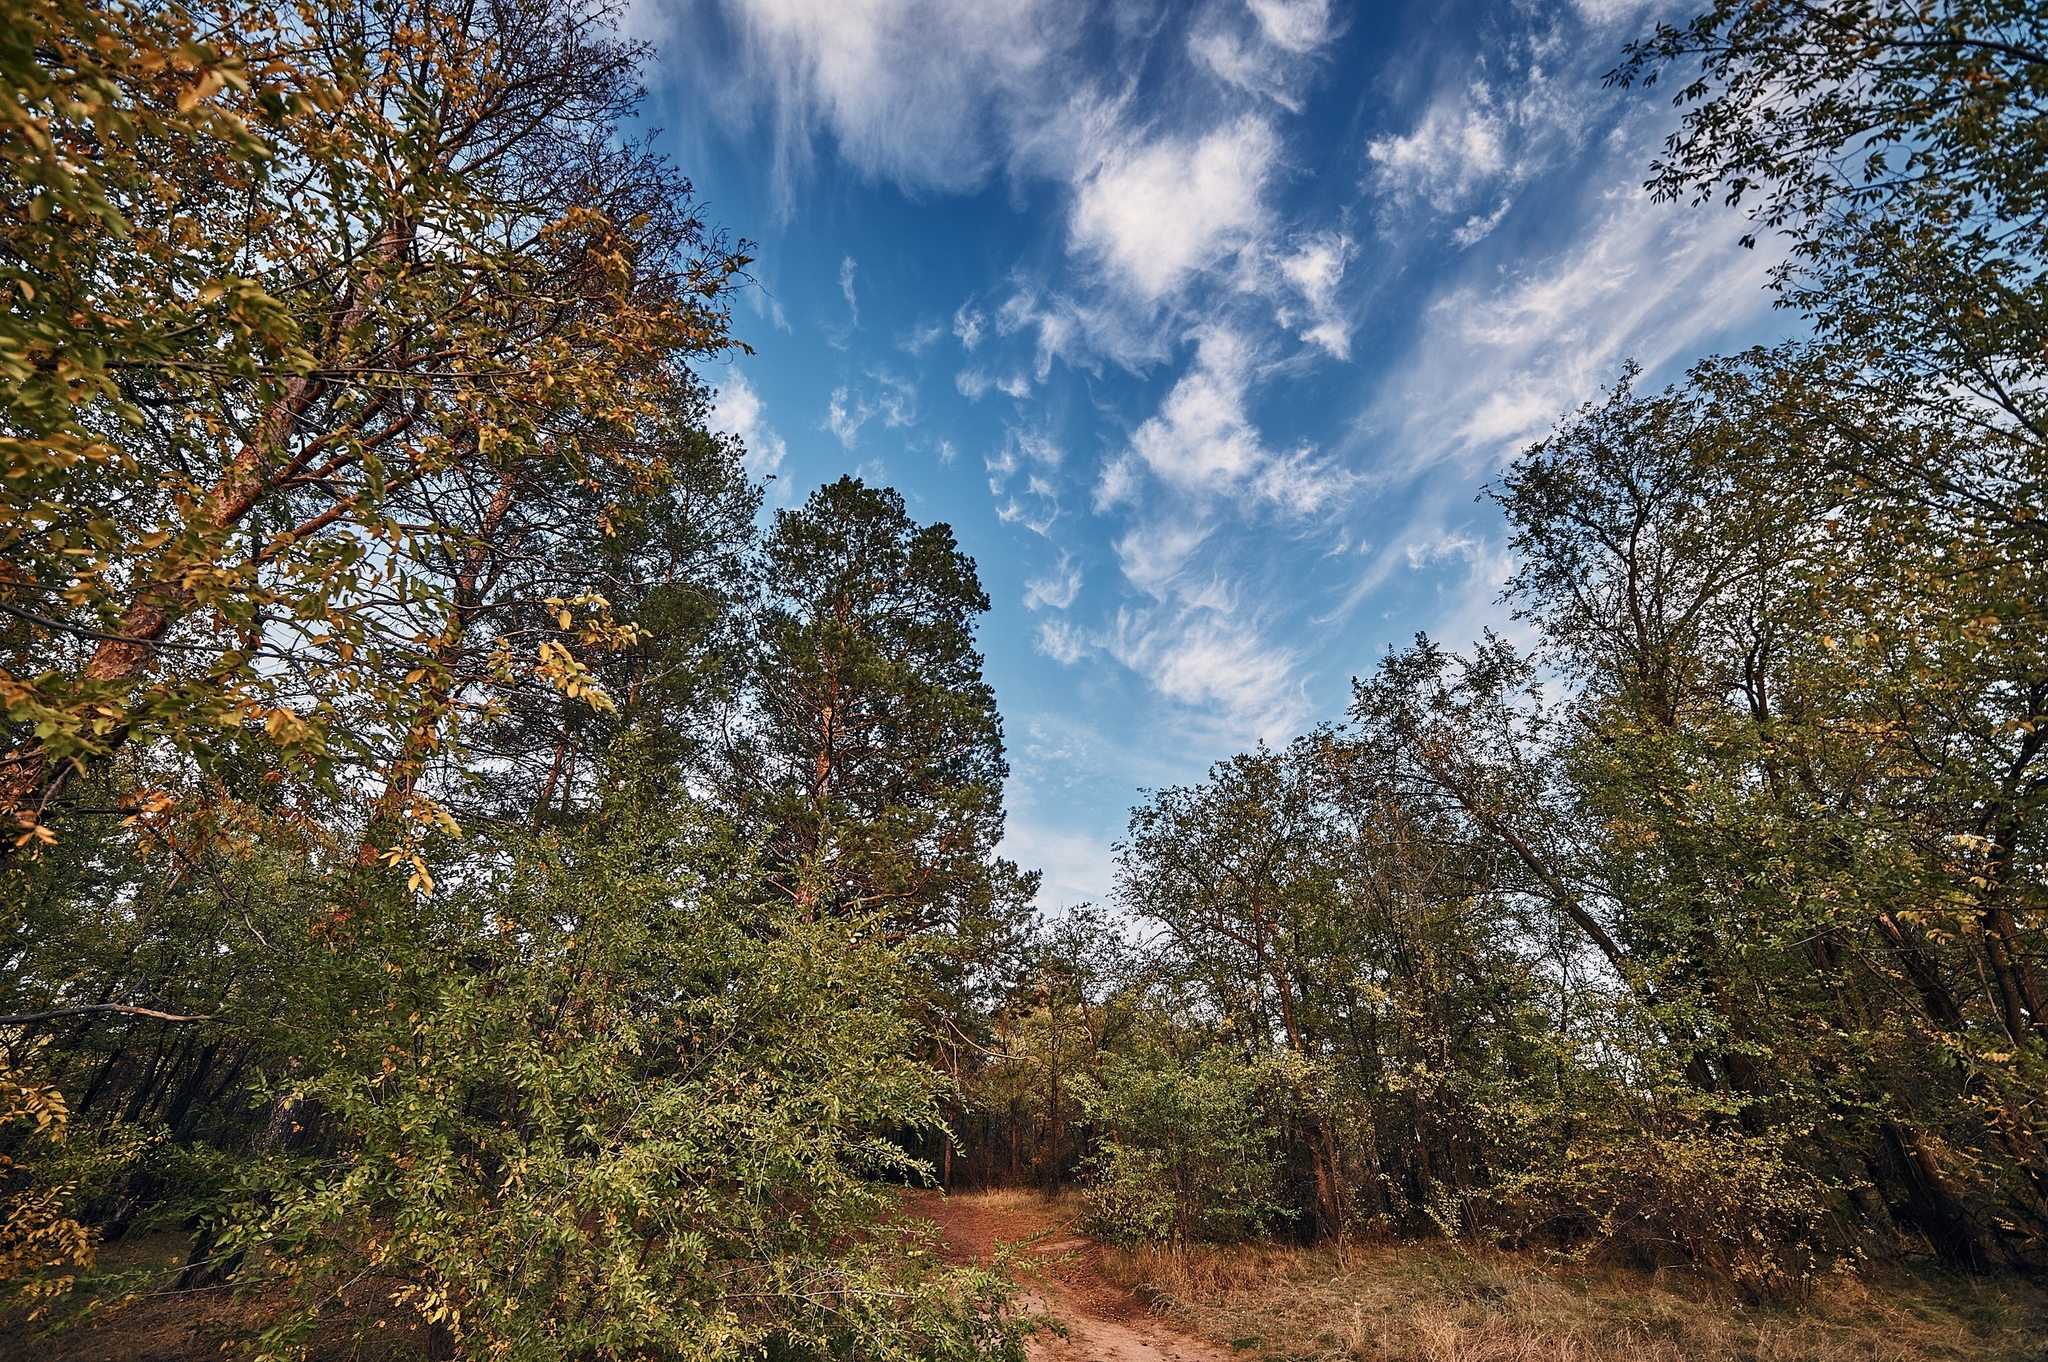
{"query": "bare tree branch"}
(25, 1018)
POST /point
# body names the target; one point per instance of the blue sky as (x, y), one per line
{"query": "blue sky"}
(1202, 323)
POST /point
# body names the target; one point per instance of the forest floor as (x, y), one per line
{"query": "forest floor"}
(1434, 1303)
(1261, 1303)
(184, 1326)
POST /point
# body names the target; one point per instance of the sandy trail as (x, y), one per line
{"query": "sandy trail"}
(1105, 1322)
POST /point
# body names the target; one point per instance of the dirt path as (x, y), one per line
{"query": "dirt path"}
(1105, 1322)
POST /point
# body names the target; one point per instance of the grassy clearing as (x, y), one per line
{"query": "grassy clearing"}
(1413, 1303)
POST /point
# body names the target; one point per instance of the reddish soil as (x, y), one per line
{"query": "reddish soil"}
(1105, 1322)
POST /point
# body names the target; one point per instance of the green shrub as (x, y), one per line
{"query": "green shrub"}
(1188, 1153)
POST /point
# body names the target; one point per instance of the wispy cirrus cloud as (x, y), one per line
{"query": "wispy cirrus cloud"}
(1314, 265)
(1056, 589)
(1458, 146)
(1216, 662)
(1483, 136)
(1497, 361)
(1501, 356)
(848, 269)
(1204, 653)
(1295, 26)
(969, 322)
(1032, 500)
(933, 94)
(882, 393)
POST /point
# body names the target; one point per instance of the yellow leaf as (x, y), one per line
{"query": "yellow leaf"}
(206, 87)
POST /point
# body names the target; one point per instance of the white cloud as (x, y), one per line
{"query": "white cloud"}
(1057, 589)
(1059, 640)
(1154, 553)
(967, 325)
(1479, 227)
(1065, 328)
(1497, 364)
(847, 267)
(767, 305)
(1262, 57)
(1498, 361)
(1021, 447)
(1154, 213)
(1036, 509)
(1460, 143)
(1193, 479)
(1201, 439)
(893, 398)
(1479, 141)
(844, 418)
(1203, 442)
(940, 94)
(897, 400)
(973, 384)
(739, 411)
(1315, 268)
(1297, 26)
(1036, 506)
(920, 337)
(1609, 13)
(1461, 545)
(1217, 664)
(1250, 66)
(1201, 651)
(930, 93)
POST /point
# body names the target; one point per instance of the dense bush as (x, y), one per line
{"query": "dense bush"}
(1185, 1150)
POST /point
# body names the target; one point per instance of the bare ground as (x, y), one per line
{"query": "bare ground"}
(1105, 1321)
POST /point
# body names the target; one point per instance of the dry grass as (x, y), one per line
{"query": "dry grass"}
(1432, 1304)
(1022, 1199)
